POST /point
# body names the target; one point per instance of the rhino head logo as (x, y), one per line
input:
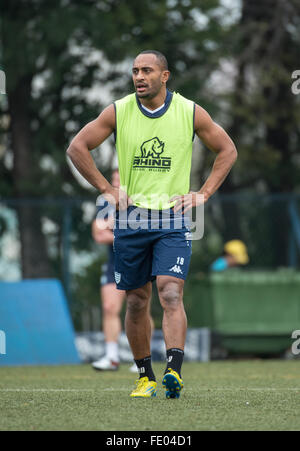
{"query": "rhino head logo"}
(152, 148)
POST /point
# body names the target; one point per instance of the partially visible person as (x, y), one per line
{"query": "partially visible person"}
(235, 253)
(112, 298)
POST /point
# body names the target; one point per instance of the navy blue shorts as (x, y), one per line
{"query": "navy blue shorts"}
(107, 274)
(141, 253)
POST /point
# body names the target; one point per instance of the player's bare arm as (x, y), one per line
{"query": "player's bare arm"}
(90, 137)
(217, 140)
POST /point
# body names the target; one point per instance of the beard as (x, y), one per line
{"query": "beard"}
(143, 95)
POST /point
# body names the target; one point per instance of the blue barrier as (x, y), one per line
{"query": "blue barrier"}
(36, 324)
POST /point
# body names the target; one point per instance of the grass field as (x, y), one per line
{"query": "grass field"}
(224, 395)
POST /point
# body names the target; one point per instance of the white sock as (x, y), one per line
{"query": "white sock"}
(112, 351)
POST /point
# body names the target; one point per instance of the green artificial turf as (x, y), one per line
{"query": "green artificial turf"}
(223, 395)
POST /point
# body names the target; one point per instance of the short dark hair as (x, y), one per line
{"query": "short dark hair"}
(162, 59)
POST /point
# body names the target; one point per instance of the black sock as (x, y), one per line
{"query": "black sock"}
(145, 368)
(174, 359)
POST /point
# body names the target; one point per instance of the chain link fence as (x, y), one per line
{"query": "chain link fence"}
(52, 238)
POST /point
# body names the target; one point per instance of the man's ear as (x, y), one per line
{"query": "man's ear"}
(166, 76)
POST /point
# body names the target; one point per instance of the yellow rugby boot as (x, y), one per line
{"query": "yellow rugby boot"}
(144, 388)
(172, 383)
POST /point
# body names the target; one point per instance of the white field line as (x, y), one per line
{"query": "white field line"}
(46, 390)
(220, 389)
(120, 389)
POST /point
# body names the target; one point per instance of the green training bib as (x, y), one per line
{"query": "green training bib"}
(154, 153)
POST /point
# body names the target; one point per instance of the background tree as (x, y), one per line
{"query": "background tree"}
(37, 41)
(65, 60)
(265, 116)
(53, 53)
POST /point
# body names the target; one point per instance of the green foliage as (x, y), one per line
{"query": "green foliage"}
(235, 61)
(61, 49)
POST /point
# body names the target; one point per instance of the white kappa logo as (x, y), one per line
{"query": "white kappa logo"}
(176, 269)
